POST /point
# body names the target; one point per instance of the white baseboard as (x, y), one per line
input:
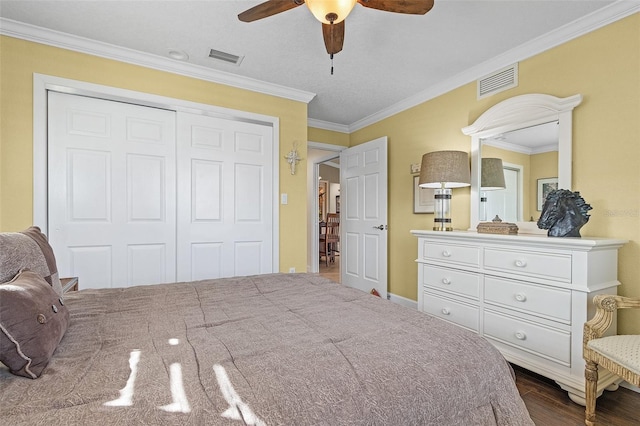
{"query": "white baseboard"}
(402, 301)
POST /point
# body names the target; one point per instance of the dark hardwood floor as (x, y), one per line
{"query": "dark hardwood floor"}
(549, 405)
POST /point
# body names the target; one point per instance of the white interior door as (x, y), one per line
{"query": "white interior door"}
(363, 216)
(225, 198)
(506, 203)
(111, 191)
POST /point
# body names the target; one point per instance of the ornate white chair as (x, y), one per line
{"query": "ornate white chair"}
(618, 354)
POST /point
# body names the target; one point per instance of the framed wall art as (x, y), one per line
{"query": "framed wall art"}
(422, 198)
(545, 186)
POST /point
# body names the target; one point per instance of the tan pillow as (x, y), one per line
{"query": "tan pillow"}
(28, 249)
(33, 320)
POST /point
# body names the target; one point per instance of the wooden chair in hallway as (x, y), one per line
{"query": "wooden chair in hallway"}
(330, 238)
(618, 354)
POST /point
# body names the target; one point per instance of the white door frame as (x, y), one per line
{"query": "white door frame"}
(43, 83)
(313, 230)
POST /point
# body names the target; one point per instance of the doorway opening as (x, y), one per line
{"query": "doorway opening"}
(363, 214)
(329, 219)
(323, 178)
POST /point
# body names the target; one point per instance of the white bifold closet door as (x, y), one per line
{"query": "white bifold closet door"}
(134, 199)
(225, 198)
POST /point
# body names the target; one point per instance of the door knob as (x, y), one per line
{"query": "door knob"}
(381, 227)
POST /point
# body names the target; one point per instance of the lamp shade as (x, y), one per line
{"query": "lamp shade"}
(492, 174)
(445, 169)
(321, 9)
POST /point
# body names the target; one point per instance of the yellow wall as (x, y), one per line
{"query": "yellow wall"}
(603, 66)
(20, 59)
(328, 136)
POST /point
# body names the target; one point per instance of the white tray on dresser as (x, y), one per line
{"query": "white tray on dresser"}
(529, 295)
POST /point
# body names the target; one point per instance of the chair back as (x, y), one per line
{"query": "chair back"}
(333, 225)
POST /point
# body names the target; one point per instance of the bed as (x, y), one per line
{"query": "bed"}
(277, 349)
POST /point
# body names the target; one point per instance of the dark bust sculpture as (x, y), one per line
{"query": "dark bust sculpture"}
(564, 213)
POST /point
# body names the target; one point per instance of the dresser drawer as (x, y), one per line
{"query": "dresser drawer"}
(462, 255)
(536, 264)
(459, 313)
(549, 302)
(544, 341)
(451, 280)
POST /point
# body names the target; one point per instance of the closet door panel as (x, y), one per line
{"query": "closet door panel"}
(89, 185)
(225, 198)
(146, 183)
(206, 191)
(249, 193)
(206, 261)
(141, 195)
(111, 170)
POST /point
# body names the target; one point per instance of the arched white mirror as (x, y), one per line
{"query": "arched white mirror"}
(532, 135)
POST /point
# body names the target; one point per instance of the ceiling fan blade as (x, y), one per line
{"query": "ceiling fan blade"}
(333, 35)
(415, 7)
(268, 8)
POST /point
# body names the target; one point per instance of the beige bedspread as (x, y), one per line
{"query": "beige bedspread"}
(281, 349)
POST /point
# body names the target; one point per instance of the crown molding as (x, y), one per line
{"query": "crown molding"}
(600, 18)
(328, 125)
(62, 40)
(595, 20)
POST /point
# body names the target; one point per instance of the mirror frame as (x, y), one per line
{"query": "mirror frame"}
(516, 113)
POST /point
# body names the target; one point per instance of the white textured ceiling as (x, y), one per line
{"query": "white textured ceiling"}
(529, 140)
(387, 57)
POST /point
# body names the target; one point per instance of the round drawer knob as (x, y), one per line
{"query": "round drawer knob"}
(521, 263)
(446, 311)
(520, 335)
(521, 297)
(446, 281)
(446, 253)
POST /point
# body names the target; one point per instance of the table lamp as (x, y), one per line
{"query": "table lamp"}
(443, 170)
(491, 179)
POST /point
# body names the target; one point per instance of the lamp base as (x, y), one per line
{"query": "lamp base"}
(442, 210)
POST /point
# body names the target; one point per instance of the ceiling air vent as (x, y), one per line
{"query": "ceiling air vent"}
(503, 79)
(226, 57)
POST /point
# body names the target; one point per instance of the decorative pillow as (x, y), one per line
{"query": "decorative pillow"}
(28, 249)
(33, 320)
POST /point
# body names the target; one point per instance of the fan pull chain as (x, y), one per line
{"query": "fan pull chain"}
(331, 17)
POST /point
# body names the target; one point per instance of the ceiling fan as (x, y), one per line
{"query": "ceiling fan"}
(332, 14)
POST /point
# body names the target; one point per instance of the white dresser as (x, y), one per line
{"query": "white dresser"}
(529, 295)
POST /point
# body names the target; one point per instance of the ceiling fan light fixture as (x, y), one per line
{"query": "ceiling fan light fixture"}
(324, 10)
